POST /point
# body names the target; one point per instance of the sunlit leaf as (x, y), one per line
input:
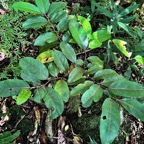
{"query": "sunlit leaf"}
(139, 59)
(120, 44)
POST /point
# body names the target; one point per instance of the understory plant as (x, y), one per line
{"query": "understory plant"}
(63, 69)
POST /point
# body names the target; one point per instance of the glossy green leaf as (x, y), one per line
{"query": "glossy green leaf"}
(34, 67)
(39, 94)
(54, 102)
(26, 7)
(53, 69)
(68, 51)
(105, 73)
(48, 37)
(108, 81)
(56, 7)
(63, 24)
(23, 96)
(75, 75)
(120, 44)
(139, 59)
(35, 22)
(133, 107)
(62, 89)
(12, 87)
(78, 34)
(80, 88)
(45, 57)
(101, 35)
(58, 16)
(128, 10)
(127, 88)
(94, 93)
(86, 25)
(60, 61)
(110, 121)
(94, 44)
(43, 5)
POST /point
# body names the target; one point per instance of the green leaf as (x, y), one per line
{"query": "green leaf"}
(128, 10)
(68, 51)
(23, 96)
(101, 35)
(86, 25)
(43, 5)
(12, 87)
(35, 22)
(26, 7)
(55, 7)
(94, 44)
(94, 93)
(54, 102)
(63, 24)
(104, 11)
(127, 88)
(7, 137)
(53, 69)
(120, 44)
(105, 73)
(48, 37)
(34, 67)
(80, 88)
(75, 75)
(58, 16)
(110, 121)
(39, 94)
(139, 59)
(45, 57)
(133, 107)
(62, 89)
(60, 61)
(78, 34)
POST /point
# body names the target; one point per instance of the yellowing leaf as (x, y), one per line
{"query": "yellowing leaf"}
(120, 44)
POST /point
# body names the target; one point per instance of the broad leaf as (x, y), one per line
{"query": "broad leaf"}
(53, 69)
(58, 16)
(68, 51)
(23, 96)
(12, 87)
(56, 7)
(48, 37)
(35, 22)
(39, 94)
(120, 44)
(45, 57)
(86, 25)
(133, 107)
(62, 89)
(78, 34)
(43, 5)
(80, 88)
(94, 44)
(94, 93)
(101, 35)
(139, 59)
(63, 24)
(54, 102)
(127, 88)
(34, 67)
(110, 121)
(75, 75)
(60, 61)
(26, 7)
(105, 73)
